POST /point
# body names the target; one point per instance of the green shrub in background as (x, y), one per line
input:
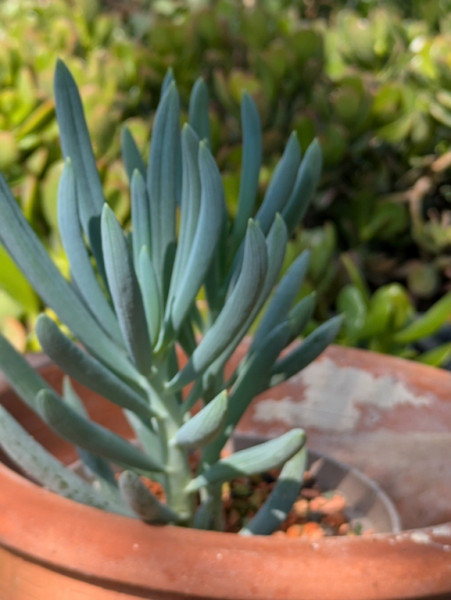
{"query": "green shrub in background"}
(371, 77)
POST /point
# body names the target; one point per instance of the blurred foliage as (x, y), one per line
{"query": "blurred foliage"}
(369, 78)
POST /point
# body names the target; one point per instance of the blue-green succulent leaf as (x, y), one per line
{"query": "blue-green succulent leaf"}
(205, 425)
(205, 239)
(125, 291)
(143, 502)
(91, 436)
(150, 294)
(198, 110)
(250, 168)
(86, 369)
(190, 205)
(283, 298)
(167, 81)
(253, 378)
(276, 242)
(96, 465)
(80, 264)
(131, 155)
(276, 508)
(76, 145)
(281, 185)
(306, 351)
(21, 376)
(164, 179)
(306, 182)
(44, 468)
(300, 315)
(29, 254)
(235, 312)
(263, 457)
(147, 437)
(141, 227)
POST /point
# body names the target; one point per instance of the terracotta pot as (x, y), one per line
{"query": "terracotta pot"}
(389, 417)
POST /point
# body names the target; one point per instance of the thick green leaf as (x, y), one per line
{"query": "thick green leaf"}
(427, 324)
(76, 363)
(283, 298)
(131, 156)
(205, 425)
(306, 351)
(80, 264)
(281, 186)
(15, 284)
(352, 305)
(250, 168)
(143, 502)
(235, 312)
(44, 468)
(125, 291)
(266, 456)
(164, 179)
(91, 436)
(30, 256)
(198, 111)
(276, 508)
(304, 187)
(436, 357)
(205, 239)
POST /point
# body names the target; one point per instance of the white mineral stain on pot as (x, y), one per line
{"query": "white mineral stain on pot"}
(420, 537)
(333, 396)
(442, 530)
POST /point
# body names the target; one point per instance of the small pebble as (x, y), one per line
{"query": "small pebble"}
(312, 530)
(343, 529)
(301, 507)
(328, 506)
(294, 531)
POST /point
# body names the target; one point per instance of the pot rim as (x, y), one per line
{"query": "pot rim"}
(127, 554)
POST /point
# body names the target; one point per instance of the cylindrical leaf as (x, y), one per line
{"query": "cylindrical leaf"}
(125, 291)
(266, 456)
(205, 425)
(91, 436)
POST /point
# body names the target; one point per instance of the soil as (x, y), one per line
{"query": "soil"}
(315, 514)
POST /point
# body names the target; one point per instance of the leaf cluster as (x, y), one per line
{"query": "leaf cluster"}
(139, 333)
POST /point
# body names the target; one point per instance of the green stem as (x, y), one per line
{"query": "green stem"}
(175, 458)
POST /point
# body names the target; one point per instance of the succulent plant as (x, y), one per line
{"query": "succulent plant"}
(162, 305)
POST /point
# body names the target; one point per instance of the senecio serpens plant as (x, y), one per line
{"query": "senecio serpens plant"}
(132, 303)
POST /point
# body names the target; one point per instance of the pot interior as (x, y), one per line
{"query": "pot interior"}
(368, 506)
